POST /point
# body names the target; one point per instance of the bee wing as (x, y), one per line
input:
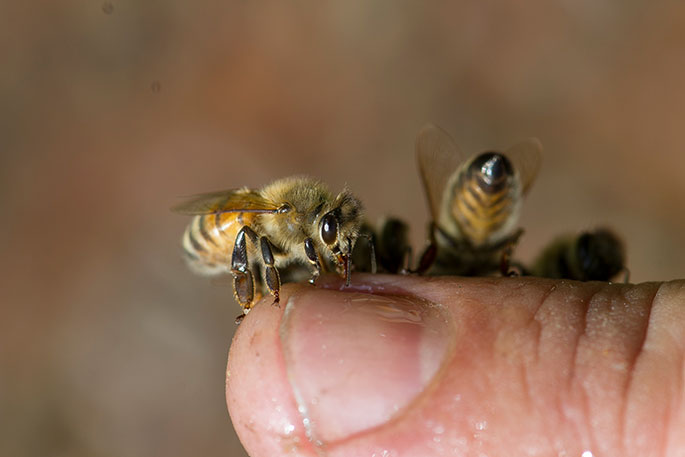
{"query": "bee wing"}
(526, 157)
(438, 158)
(226, 201)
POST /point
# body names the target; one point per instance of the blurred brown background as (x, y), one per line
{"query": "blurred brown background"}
(109, 111)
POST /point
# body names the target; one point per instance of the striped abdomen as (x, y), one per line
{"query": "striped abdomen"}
(486, 198)
(209, 238)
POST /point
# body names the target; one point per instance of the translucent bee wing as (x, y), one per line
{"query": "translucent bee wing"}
(438, 158)
(226, 201)
(526, 157)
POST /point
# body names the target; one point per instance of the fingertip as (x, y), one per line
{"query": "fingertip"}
(339, 370)
(258, 396)
(348, 369)
(329, 365)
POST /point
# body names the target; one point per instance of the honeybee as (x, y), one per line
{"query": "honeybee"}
(474, 203)
(292, 220)
(597, 255)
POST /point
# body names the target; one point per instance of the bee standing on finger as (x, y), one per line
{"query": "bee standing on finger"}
(292, 220)
(594, 255)
(474, 202)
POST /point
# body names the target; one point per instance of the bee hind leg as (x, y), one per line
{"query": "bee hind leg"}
(271, 276)
(430, 253)
(506, 263)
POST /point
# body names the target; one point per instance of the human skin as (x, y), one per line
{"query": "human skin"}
(413, 366)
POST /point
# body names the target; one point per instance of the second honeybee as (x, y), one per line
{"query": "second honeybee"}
(474, 203)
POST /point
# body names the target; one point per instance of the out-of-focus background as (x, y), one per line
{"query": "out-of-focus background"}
(110, 110)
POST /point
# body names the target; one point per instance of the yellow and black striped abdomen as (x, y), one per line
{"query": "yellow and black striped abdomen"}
(485, 197)
(209, 238)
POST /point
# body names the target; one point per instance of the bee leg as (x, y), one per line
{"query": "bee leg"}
(505, 261)
(427, 259)
(239, 318)
(519, 269)
(626, 275)
(313, 258)
(243, 282)
(271, 277)
(407, 260)
(372, 251)
(430, 253)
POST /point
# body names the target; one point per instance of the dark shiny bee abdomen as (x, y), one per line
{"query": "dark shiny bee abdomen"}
(485, 196)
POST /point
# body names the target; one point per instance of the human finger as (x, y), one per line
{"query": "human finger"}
(452, 366)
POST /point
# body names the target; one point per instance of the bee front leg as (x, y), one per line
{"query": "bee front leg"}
(243, 282)
(271, 277)
(313, 258)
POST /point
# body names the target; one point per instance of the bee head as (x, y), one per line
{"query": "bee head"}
(339, 229)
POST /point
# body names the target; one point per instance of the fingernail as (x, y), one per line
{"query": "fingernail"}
(356, 360)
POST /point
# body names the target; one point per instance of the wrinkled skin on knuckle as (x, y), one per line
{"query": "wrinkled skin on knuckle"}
(576, 360)
(608, 346)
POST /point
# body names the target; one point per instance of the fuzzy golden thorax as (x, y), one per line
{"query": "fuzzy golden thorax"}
(310, 211)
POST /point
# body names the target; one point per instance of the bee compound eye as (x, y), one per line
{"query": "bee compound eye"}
(329, 229)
